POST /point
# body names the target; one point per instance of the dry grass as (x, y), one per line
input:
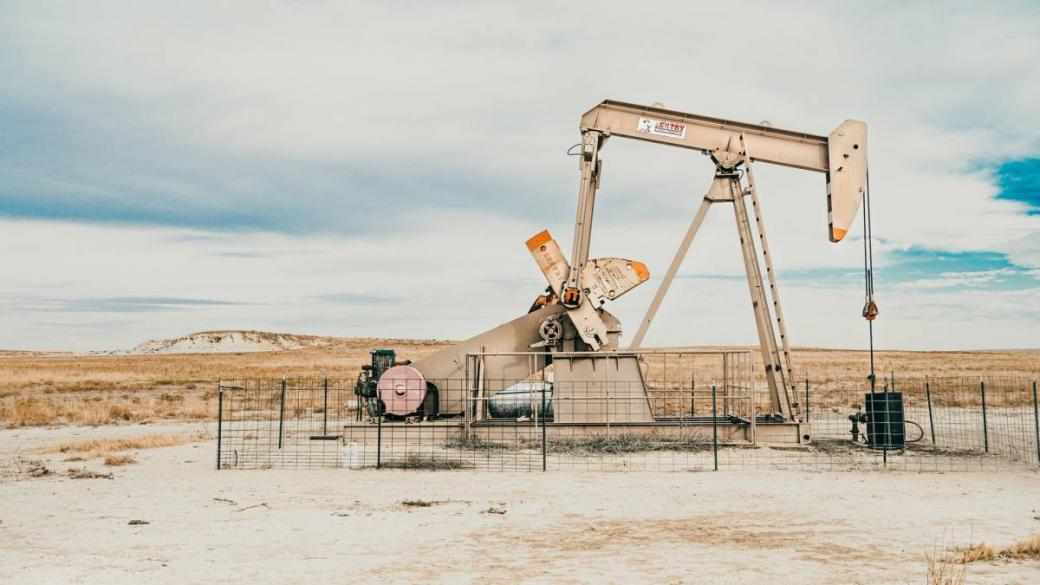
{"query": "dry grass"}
(117, 460)
(106, 447)
(1027, 548)
(39, 389)
(94, 411)
(974, 553)
(624, 443)
(173, 373)
(84, 473)
(416, 461)
(943, 572)
(475, 443)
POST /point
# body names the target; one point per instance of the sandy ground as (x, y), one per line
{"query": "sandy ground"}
(276, 526)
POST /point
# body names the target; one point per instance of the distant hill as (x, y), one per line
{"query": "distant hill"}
(232, 341)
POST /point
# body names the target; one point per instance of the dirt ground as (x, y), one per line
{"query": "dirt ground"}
(279, 526)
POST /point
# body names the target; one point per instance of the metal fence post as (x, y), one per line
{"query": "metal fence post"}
(1036, 421)
(325, 408)
(544, 441)
(281, 415)
(931, 419)
(714, 428)
(379, 440)
(985, 427)
(807, 398)
(219, 421)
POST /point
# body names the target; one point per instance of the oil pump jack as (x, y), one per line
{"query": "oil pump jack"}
(570, 322)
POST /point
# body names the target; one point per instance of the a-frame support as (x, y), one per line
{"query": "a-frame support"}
(726, 187)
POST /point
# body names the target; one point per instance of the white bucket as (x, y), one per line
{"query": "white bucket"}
(354, 456)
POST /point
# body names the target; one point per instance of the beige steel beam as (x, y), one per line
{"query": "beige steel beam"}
(772, 145)
(673, 268)
(841, 155)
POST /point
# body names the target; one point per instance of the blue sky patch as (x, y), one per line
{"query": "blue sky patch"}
(933, 269)
(1019, 180)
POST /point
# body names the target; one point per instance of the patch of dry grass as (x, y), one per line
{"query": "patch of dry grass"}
(97, 410)
(30, 412)
(625, 443)
(974, 553)
(416, 461)
(943, 572)
(106, 447)
(117, 460)
(1027, 548)
(84, 473)
(475, 443)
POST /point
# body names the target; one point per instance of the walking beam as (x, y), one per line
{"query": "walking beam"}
(841, 155)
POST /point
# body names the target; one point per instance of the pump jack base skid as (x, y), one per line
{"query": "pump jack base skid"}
(530, 432)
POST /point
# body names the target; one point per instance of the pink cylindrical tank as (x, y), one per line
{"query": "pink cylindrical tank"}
(402, 389)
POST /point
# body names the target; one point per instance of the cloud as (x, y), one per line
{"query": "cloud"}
(286, 153)
(961, 279)
(350, 298)
(123, 304)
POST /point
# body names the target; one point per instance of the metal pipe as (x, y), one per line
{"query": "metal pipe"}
(807, 398)
(985, 427)
(325, 408)
(754, 407)
(467, 400)
(219, 421)
(714, 428)
(693, 395)
(887, 435)
(931, 419)
(281, 415)
(1036, 421)
(379, 440)
(544, 440)
(725, 387)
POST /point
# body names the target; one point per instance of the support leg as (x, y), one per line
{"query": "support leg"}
(662, 290)
(786, 370)
(763, 320)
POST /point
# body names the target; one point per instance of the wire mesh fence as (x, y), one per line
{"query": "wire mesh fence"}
(666, 412)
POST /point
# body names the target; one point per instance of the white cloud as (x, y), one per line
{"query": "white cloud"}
(959, 279)
(494, 91)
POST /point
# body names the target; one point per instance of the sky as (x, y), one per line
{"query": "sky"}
(373, 168)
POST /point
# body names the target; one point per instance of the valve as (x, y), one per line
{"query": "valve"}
(858, 417)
